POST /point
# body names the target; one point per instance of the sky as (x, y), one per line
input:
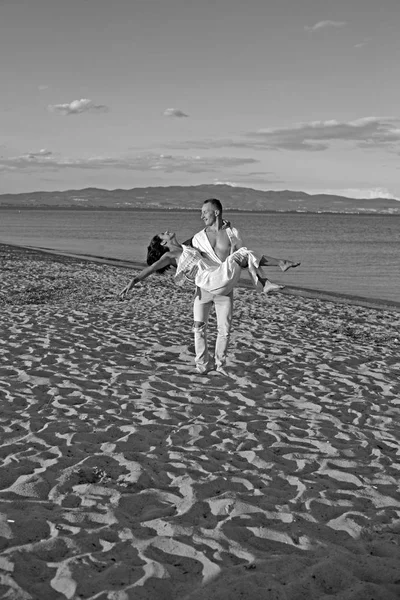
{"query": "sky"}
(267, 94)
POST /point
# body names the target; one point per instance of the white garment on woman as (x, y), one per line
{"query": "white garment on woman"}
(215, 278)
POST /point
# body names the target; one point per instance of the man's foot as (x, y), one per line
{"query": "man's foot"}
(202, 370)
(268, 287)
(223, 371)
(287, 264)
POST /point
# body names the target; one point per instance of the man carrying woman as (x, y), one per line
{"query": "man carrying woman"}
(213, 264)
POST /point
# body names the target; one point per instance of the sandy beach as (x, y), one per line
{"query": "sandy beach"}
(125, 475)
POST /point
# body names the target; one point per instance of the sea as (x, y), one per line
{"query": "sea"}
(356, 255)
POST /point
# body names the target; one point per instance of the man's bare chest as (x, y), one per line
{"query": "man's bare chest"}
(219, 242)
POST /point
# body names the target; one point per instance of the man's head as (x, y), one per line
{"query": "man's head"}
(211, 211)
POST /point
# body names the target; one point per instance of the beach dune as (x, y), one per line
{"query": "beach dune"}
(125, 475)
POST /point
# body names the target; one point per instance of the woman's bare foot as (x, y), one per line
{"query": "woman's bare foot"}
(268, 286)
(288, 264)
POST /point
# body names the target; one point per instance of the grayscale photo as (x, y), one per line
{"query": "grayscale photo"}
(199, 300)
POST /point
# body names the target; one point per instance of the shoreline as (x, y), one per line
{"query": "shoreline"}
(347, 299)
(367, 212)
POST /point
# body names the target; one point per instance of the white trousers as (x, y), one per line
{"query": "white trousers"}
(203, 303)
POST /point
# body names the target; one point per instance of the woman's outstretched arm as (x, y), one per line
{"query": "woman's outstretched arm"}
(165, 261)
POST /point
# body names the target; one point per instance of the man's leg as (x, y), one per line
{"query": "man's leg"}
(201, 310)
(223, 309)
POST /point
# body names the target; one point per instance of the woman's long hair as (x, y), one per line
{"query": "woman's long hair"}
(155, 251)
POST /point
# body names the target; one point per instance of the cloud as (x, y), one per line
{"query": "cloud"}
(314, 136)
(77, 107)
(253, 182)
(174, 112)
(42, 88)
(324, 25)
(361, 44)
(45, 160)
(230, 183)
(252, 178)
(317, 136)
(204, 144)
(42, 152)
(362, 193)
(198, 164)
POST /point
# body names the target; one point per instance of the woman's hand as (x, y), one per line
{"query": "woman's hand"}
(124, 292)
(128, 287)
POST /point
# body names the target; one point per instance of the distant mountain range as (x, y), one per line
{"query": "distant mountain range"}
(191, 198)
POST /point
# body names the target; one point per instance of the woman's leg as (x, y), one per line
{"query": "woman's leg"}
(268, 286)
(247, 258)
(283, 264)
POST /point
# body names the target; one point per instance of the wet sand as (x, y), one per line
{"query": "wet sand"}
(125, 475)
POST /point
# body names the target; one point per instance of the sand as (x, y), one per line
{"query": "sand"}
(125, 475)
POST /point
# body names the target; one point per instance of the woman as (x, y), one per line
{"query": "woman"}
(165, 251)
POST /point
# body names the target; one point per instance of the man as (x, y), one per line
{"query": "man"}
(216, 241)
